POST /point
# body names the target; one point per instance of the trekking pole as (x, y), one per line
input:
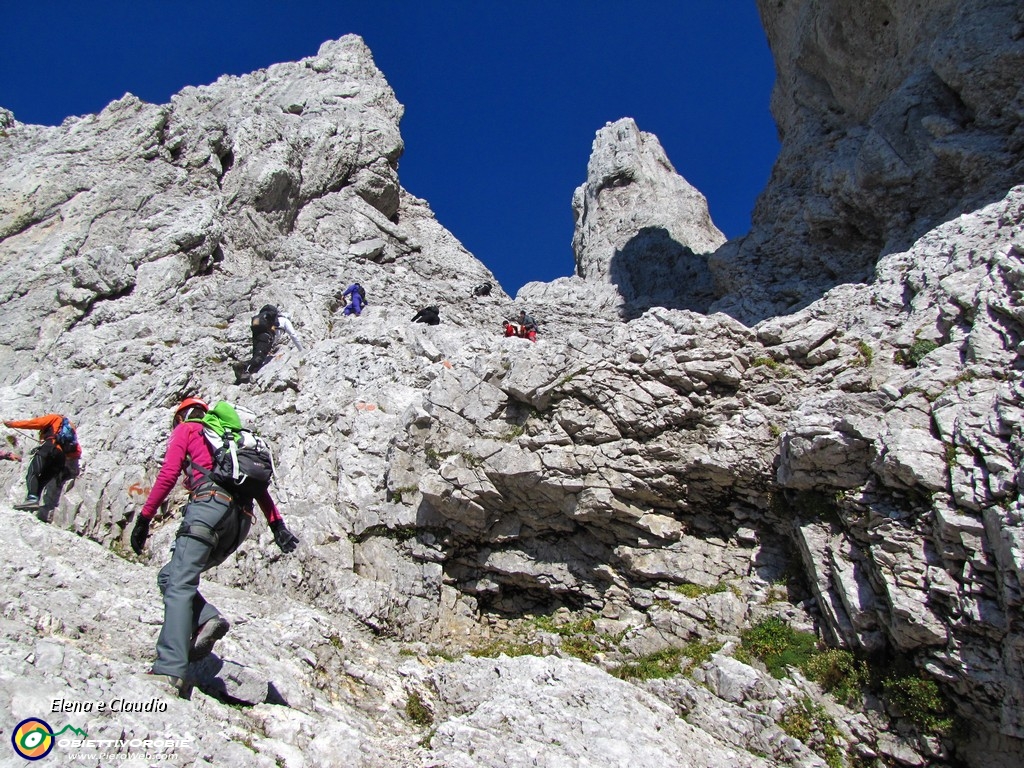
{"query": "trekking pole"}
(29, 435)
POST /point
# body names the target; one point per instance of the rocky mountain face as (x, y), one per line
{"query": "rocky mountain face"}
(499, 536)
(895, 116)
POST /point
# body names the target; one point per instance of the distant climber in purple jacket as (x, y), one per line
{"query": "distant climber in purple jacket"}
(356, 297)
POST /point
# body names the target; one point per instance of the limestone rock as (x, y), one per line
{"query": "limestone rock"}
(889, 126)
(640, 226)
(450, 486)
(503, 712)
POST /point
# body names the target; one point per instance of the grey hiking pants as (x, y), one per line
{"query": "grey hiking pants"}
(213, 527)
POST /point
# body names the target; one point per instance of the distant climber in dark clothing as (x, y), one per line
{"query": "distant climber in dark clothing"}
(429, 315)
(53, 463)
(265, 327)
(484, 289)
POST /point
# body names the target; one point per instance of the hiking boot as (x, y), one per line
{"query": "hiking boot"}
(179, 686)
(206, 636)
(32, 502)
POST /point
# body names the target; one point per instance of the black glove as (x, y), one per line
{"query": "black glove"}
(284, 538)
(139, 534)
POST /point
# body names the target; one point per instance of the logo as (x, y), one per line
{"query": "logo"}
(32, 738)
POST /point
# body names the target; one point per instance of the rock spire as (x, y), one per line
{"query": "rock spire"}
(640, 226)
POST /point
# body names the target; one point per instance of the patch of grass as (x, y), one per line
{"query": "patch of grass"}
(694, 591)
(777, 645)
(399, 493)
(118, 548)
(699, 652)
(912, 356)
(949, 455)
(432, 456)
(771, 364)
(964, 378)
(798, 721)
(517, 431)
(774, 429)
(809, 723)
(778, 593)
(583, 648)
(571, 376)
(398, 533)
(578, 636)
(585, 625)
(918, 700)
(666, 663)
(866, 355)
(435, 457)
(417, 711)
(471, 460)
(425, 741)
(506, 648)
(443, 654)
(658, 665)
(839, 673)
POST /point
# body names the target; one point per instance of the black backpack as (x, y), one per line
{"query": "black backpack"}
(265, 322)
(242, 463)
(361, 292)
(430, 315)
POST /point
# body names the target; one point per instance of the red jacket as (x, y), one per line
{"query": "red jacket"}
(47, 426)
(187, 442)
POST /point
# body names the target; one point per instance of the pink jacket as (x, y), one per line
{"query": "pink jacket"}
(187, 442)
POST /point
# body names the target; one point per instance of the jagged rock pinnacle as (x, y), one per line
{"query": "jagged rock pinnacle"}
(640, 226)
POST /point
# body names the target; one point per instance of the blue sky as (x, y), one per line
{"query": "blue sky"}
(502, 98)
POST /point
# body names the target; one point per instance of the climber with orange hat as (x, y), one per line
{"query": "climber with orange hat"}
(216, 521)
(54, 462)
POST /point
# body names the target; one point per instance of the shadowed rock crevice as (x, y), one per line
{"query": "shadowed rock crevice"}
(654, 270)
